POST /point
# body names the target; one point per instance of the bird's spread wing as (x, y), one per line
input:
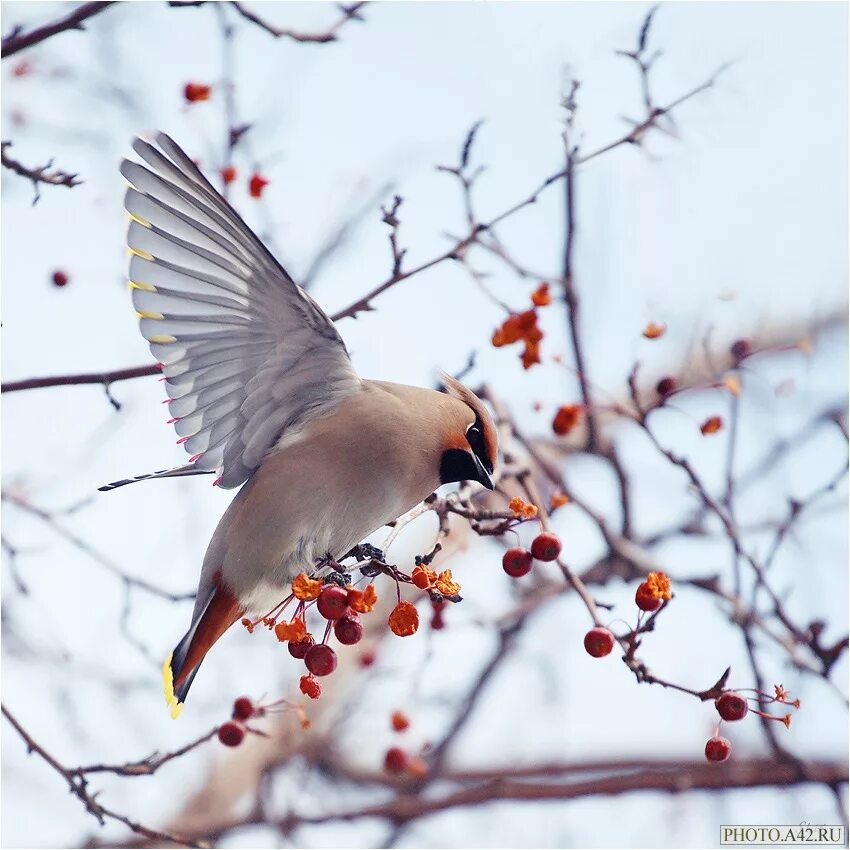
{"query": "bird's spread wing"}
(247, 355)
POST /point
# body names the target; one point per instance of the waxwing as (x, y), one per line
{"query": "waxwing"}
(263, 396)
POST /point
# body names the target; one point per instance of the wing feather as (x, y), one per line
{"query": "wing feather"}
(247, 355)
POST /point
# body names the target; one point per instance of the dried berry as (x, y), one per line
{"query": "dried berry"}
(310, 687)
(404, 619)
(60, 278)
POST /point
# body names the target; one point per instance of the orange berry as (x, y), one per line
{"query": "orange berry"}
(310, 687)
(256, 185)
(567, 417)
(194, 92)
(404, 619)
(399, 721)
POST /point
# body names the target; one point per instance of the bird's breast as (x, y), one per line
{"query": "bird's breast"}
(349, 475)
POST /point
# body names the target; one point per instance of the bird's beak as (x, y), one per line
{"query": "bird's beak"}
(483, 476)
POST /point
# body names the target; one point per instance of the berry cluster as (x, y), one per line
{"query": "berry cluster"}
(516, 562)
(232, 732)
(731, 706)
(523, 327)
(340, 605)
(650, 596)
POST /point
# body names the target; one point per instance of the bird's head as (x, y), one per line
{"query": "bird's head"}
(471, 443)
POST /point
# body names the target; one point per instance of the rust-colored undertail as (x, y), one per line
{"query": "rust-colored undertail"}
(220, 613)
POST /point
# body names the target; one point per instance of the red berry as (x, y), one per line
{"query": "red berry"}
(299, 649)
(60, 278)
(332, 602)
(231, 733)
(731, 706)
(228, 173)
(516, 562)
(646, 600)
(666, 386)
(367, 658)
(348, 630)
(741, 348)
(243, 708)
(598, 642)
(320, 660)
(396, 760)
(717, 749)
(546, 546)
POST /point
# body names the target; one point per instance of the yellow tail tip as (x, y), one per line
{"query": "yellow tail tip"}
(168, 688)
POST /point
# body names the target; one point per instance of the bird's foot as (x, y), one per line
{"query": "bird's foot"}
(365, 552)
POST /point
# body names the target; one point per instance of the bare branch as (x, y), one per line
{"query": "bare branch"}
(38, 175)
(18, 40)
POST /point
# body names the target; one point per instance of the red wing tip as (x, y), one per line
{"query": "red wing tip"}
(183, 440)
(195, 457)
(217, 481)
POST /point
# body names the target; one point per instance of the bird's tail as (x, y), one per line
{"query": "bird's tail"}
(210, 623)
(175, 472)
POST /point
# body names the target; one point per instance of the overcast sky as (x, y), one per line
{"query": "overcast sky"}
(738, 220)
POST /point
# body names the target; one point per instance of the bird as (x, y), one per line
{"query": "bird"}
(263, 394)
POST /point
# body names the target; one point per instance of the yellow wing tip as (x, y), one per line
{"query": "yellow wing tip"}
(171, 700)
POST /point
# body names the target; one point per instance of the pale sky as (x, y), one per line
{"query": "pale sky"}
(750, 198)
